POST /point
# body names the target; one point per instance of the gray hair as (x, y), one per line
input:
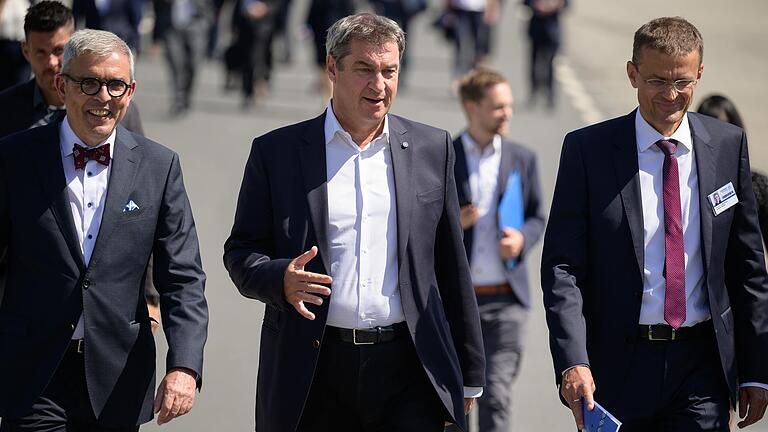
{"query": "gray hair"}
(365, 27)
(97, 42)
(673, 36)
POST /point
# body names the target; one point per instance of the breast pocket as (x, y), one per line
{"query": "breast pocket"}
(430, 195)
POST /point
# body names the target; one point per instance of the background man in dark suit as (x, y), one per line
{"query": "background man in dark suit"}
(380, 225)
(78, 223)
(48, 26)
(485, 160)
(121, 17)
(649, 288)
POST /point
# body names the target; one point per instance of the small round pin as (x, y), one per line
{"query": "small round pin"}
(405, 144)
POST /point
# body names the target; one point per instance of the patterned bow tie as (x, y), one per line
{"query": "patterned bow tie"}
(84, 154)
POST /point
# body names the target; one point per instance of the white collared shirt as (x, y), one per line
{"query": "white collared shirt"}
(86, 192)
(483, 169)
(362, 229)
(651, 162)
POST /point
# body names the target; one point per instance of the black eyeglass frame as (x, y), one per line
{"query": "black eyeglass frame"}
(84, 82)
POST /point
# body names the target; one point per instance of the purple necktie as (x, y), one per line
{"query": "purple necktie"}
(674, 257)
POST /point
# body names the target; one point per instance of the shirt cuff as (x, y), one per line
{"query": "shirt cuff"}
(580, 364)
(473, 392)
(746, 384)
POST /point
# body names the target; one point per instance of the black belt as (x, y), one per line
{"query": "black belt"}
(368, 336)
(76, 346)
(663, 332)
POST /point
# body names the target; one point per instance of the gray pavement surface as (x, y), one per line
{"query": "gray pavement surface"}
(214, 141)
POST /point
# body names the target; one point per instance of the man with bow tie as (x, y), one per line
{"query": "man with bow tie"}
(83, 205)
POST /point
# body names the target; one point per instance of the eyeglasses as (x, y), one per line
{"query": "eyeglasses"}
(657, 84)
(92, 86)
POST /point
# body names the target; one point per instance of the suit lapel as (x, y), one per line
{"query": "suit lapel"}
(124, 165)
(314, 171)
(51, 172)
(706, 155)
(628, 176)
(402, 156)
(462, 172)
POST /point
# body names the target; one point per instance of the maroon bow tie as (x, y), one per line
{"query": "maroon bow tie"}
(84, 154)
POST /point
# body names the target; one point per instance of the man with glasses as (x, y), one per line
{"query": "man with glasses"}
(84, 206)
(655, 290)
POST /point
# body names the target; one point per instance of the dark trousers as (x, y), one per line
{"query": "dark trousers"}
(366, 388)
(255, 36)
(542, 67)
(184, 51)
(503, 326)
(64, 405)
(673, 386)
(472, 41)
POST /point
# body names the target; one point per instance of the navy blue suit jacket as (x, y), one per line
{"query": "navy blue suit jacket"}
(514, 157)
(282, 212)
(592, 263)
(49, 286)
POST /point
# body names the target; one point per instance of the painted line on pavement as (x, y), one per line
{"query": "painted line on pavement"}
(574, 88)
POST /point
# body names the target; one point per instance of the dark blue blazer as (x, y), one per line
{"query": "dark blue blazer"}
(592, 263)
(49, 286)
(282, 212)
(514, 157)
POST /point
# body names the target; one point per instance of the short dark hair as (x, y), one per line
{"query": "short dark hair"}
(672, 36)
(47, 16)
(365, 27)
(474, 84)
(720, 107)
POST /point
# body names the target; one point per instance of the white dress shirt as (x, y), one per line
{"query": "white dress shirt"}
(651, 162)
(87, 192)
(483, 169)
(362, 229)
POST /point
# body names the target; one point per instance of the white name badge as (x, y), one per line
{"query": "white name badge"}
(723, 199)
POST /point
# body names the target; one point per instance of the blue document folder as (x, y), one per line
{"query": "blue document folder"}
(599, 420)
(511, 209)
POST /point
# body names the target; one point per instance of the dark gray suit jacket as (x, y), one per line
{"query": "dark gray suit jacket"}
(592, 263)
(49, 286)
(282, 211)
(514, 157)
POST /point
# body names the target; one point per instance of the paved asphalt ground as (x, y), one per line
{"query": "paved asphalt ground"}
(214, 141)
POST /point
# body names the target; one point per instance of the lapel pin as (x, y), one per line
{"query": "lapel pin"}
(404, 144)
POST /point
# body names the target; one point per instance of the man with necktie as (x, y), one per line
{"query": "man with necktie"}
(84, 204)
(488, 167)
(656, 295)
(363, 202)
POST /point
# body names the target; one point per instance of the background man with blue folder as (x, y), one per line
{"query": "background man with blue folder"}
(491, 170)
(656, 297)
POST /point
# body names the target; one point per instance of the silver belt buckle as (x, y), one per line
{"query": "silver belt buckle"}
(80, 346)
(650, 334)
(354, 339)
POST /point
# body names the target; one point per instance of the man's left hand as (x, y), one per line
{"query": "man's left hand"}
(752, 404)
(175, 395)
(511, 246)
(468, 404)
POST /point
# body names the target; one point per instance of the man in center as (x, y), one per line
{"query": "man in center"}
(347, 228)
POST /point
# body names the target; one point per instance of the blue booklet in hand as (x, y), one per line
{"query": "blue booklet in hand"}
(511, 211)
(599, 419)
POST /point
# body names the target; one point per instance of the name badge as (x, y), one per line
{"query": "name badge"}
(723, 199)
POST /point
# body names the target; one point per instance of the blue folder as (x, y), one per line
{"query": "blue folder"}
(511, 208)
(599, 419)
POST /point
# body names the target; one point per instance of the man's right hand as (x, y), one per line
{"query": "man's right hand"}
(468, 215)
(578, 384)
(299, 285)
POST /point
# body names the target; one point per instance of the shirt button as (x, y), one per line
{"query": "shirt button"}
(90, 205)
(90, 174)
(90, 236)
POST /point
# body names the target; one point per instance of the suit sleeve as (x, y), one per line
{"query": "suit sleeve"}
(4, 225)
(179, 277)
(248, 250)
(533, 226)
(745, 278)
(455, 284)
(564, 261)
